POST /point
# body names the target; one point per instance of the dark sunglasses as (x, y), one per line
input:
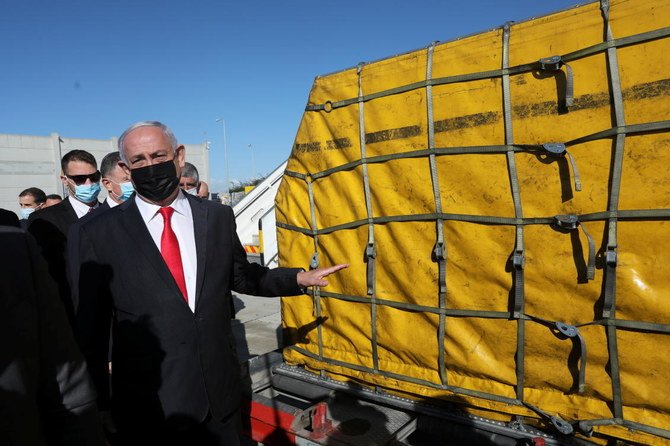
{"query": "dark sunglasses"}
(81, 179)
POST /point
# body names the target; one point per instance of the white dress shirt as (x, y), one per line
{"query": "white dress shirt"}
(182, 225)
(81, 208)
(111, 202)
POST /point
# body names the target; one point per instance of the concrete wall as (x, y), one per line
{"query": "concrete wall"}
(34, 161)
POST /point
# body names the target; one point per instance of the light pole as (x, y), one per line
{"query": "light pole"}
(253, 162)
(225, 160)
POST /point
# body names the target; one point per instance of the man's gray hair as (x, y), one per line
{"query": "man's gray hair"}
(190, 171)
(164, 128)
(109, 163)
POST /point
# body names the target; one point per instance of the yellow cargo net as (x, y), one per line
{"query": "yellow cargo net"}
(502, 200)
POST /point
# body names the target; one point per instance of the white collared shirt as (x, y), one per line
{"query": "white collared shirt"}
(81, 208)
(111, 202)
(182, 225)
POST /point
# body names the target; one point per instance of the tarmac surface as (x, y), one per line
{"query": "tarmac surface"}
(257, 325)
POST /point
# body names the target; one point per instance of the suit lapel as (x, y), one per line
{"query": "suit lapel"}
(199, 211)
(137, 230)
(69, 215)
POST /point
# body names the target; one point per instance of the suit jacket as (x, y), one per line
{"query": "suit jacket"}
(103, 207)
(46, 396)
(8, 218)
(168, 363)
(72, 252)
(50, 227)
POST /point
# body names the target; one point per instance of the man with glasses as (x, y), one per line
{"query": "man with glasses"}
(50, 225)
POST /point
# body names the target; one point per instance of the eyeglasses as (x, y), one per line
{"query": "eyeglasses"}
(81, 179)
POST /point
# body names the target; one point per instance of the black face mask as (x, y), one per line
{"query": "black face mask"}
(157, 181)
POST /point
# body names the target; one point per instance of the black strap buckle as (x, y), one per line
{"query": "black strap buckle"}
(552, 63)
(567, 222)
(370, 251)
(568, 330)
(314, 261)
(555, 148)
(518, 260)
(439, 251)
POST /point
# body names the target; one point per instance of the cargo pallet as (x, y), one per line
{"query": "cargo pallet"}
(288, 405)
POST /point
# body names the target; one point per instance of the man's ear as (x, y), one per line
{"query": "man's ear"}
(106, 184)
(180, 155)
(63, 178)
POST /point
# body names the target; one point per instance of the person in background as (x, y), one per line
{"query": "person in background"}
(30, 200)
(46, 395)
(8, 218)
(119, 188)
(50, 225)
(52, 199)
(189, 181)
(115, 180)
(203, 191)
(176, 374)
(191, 184)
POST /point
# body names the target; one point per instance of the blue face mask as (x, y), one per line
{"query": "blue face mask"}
(127, 190)
(87, 193)
(25, 212)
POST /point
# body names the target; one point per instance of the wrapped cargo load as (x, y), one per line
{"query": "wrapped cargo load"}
(503, 200)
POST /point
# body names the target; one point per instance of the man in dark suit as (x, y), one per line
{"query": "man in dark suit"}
(115, 180)
(119, 188)
(50, 225)
(161, 265)
(46, 396)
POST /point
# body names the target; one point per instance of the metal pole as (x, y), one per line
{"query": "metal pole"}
(225, 160)
(253, 162)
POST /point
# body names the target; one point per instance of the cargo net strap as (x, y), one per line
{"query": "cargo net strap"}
(313, 264)
(633, 214)
(613, 205)
(552, 151)
(370, 250)
(440, 250)
(518, 256)
(649, 327)
(549, 64)
(568, 223)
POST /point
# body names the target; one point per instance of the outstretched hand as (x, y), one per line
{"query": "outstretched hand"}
(315, 277)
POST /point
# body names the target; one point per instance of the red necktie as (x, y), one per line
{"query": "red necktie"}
(170, 251)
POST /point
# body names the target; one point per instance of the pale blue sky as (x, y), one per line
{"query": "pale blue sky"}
(90, 68)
